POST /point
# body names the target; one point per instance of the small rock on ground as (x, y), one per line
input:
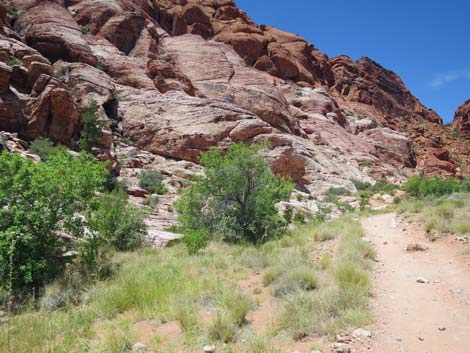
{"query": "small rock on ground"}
(422, 280)
(360, 334)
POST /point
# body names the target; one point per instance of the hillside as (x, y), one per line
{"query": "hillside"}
(177, 77)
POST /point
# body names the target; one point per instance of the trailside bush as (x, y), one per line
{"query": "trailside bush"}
(40, 207)
(152, 181)
(196, 240)
(422, 187)
(117, 223)
(92, 126)
(44, 148)
(236, 197)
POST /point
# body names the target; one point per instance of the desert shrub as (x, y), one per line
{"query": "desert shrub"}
(38, 203)
(44, 148)
(152, 181)
(434, 187)
(465, 185)
(237, 196)
(91, 126)
(322, 312)
(196, 239)
(117, 223)
(13, 62)
(271, 274)
(300, 278)
(288, 214)
(232, 308)
(361, 185)
(339, 191)
(349, 274)
(12, 12)
(222, 328)
(151, 201)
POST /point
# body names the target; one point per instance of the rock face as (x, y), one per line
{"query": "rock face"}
(177, 77)
(462, 120)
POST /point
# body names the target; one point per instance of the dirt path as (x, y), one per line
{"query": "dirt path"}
(412, 317)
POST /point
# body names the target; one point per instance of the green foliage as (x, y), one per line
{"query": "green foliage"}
(338, 192)
(45, 148)
(152, 181)
(435, 187)
(151, 201)
(465, 185)
(300, 278)
(39, 201)
(288, 214)
(196, 239)
(236, 197)
(13, 62)
(91, 126)
(64, 70)
(380, 186)
(117, 223)
(12, 12)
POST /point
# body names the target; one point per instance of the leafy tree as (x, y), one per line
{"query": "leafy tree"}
(422, 187)
(91, 127)
(117, 223)
(237, 196)
(40, 207)
(152, 181)
(44, 148)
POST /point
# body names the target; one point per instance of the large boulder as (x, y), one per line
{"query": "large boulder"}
(49, 28)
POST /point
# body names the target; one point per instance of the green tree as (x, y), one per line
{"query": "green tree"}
(237, 196)
(44, 148)
(92, 126)
(40, 215)
(118, 223)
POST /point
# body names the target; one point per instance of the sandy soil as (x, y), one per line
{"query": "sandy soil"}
(412, 317)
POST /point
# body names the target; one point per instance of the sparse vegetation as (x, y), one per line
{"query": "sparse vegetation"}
(443, 215)
(173, 285)
(13, 62)
(45, 148)
(152, 181)
(92, 125)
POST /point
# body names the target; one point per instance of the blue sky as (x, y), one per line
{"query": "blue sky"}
(427, 43)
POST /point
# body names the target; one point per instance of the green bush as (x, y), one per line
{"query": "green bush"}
(435, 187)
(465, 185)
(117, 223)
(91, 130)
(196, 240)
(44, 148)
(237, 196)
(301, 278)
(39, 204)
(151, 201)
(152, 181)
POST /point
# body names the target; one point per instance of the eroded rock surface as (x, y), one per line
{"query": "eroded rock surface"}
(175, 78)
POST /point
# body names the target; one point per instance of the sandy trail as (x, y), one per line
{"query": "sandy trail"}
(411, 317)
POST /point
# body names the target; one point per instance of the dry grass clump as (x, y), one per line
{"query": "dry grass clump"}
(341, 305)
(445, 215)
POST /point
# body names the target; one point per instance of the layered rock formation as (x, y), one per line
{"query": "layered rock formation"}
(177, 77)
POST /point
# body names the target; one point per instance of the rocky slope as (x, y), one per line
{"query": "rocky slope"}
(179, 76)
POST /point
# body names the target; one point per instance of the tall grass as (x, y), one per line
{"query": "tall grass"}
(444, 215)
(342, 305)
(315, 297)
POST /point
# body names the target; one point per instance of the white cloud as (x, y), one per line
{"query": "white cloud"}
(441, 79)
